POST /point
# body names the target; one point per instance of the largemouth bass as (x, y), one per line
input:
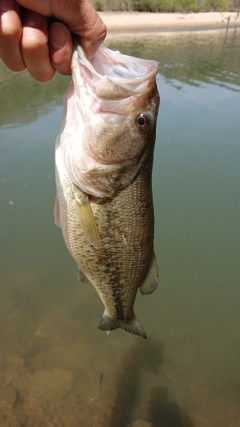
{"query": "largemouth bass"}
(104, 157)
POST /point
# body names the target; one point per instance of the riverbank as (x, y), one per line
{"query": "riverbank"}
(134, 21)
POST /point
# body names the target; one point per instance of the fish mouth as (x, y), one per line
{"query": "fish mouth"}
(113, 76)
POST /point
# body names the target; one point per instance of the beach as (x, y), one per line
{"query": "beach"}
(144, 21)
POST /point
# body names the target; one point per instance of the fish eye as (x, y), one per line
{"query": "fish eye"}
(142, 121)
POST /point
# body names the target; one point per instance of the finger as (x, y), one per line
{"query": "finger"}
(10, 35)
(80, 16)
(93, 32)
(61, 47)
(83, 20)
(43, 7)
(34, 46)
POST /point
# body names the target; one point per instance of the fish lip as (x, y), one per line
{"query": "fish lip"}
(151, 66)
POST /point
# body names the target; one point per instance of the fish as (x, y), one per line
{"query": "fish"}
(103, 161)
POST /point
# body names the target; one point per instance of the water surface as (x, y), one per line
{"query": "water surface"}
(56, 367)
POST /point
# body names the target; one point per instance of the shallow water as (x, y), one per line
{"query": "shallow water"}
(56, 367)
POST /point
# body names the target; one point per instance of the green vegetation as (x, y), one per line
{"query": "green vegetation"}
(167, 5)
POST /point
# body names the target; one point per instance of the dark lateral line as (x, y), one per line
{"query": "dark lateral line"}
(118, 306)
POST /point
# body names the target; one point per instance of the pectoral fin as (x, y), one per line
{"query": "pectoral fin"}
(86, 218)
(56, 212)
(151, 281)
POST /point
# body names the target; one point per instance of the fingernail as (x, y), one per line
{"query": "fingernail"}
(57, 36)
(89, 47)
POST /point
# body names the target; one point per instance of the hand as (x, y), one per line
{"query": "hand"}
(29, 40)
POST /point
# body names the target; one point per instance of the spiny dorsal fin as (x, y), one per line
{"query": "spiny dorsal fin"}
(56, 212)
(151, 281)
(86, 218)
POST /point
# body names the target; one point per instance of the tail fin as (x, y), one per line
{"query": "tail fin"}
(134, 327)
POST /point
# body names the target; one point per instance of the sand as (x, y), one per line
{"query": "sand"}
(133, 21)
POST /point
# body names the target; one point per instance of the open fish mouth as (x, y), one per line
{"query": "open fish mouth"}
(117, 81)
(111, 78)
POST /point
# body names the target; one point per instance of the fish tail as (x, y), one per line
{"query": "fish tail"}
(107, 324)
(134, 327)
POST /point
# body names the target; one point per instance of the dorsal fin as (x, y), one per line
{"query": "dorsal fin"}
(151, 281)
(56, 212)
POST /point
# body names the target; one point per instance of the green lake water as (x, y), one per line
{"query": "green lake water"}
(56, 367)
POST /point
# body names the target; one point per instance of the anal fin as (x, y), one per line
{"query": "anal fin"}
(82, 278)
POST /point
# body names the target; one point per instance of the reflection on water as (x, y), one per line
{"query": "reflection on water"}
(56, 367)
(193, 57)
(23, 100)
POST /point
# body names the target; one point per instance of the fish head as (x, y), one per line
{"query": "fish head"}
(114, 105)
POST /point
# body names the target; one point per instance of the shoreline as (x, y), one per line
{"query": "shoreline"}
(157, 22)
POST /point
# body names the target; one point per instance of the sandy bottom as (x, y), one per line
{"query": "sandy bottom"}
(121, 21)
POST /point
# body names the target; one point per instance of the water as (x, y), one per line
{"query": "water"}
(56, 367)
